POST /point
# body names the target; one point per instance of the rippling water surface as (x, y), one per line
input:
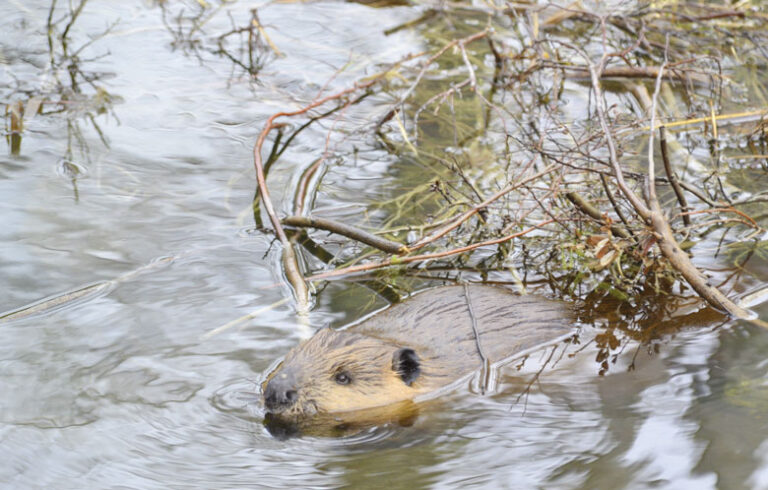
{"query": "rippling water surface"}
(144, 378)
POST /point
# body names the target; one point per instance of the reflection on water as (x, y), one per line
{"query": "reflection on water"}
(133, 383)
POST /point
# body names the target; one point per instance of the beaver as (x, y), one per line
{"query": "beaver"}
(410, 350)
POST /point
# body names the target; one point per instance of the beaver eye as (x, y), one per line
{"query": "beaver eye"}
(342, 378)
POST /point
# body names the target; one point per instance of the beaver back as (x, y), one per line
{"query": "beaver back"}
(438, 325)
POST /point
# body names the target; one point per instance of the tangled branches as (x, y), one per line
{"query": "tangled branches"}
(533, 129)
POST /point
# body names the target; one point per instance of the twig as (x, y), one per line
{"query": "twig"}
(470, 69)
(641, 72)
(587, 208)
(672, 177)
(747, 219)
(696, 192)
(347, 231)
(242, 319)
(615, 204)
(301, 190)
(426, 66)
(437, 234)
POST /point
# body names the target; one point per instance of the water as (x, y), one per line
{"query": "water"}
(147, 377)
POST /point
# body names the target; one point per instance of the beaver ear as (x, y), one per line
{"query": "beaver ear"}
(406, 363)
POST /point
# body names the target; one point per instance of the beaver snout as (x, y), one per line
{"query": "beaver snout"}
(280, 393)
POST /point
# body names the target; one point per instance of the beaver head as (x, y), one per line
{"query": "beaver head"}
(341, 371)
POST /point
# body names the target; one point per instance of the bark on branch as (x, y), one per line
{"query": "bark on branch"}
(347, 231)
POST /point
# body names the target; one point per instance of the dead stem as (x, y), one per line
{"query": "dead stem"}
(672, 177)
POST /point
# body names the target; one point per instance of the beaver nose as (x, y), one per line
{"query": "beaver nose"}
(279, 395)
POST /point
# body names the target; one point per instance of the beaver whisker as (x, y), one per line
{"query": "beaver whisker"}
(310, 407)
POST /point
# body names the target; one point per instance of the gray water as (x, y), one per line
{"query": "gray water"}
(147, 377)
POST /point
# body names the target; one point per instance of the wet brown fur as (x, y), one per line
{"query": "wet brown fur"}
(437, 325)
